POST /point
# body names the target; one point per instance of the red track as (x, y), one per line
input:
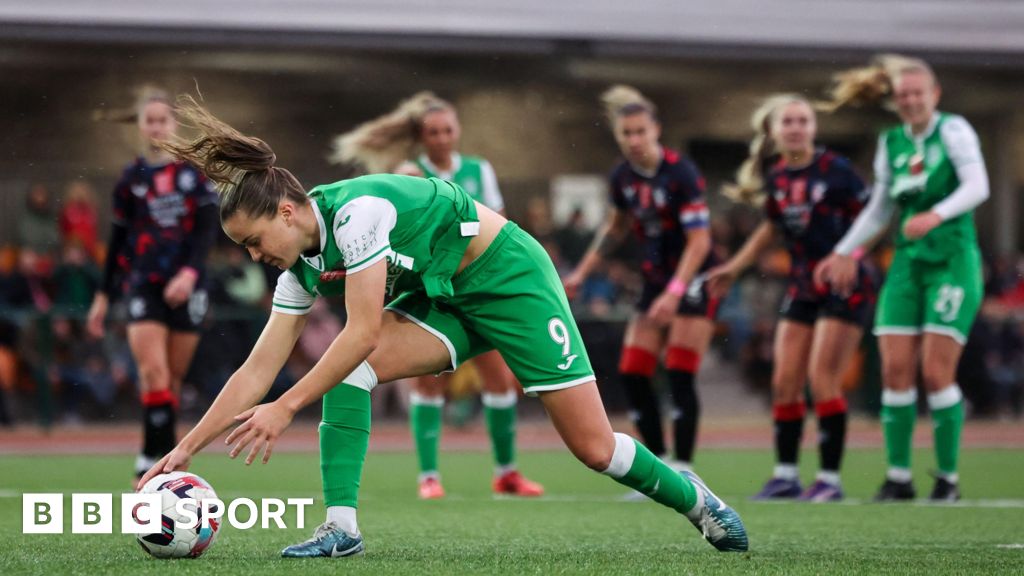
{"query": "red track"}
(532, 435)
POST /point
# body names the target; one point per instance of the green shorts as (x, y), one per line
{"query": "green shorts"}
(509, 299)
(937, 297)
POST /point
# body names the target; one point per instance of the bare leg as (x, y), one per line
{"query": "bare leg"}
(181, 347)
(835, 343)
(791, 349)
(578, 415)
(149, 345)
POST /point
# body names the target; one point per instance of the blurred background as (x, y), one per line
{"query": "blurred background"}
(525, 77)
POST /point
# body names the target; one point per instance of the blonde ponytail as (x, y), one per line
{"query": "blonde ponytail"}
(143, 95)
(621, 100)
(871, 85)
(383, 143)
(749, 186)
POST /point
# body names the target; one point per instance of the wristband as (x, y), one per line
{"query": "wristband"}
(676, 287)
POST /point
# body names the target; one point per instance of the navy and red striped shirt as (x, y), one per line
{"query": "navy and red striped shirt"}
(157, 205)
(663, 206)
(813, 206)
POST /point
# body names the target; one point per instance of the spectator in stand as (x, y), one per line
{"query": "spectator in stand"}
(78, 217)
(15, 295)
(37, 226)
(76, 279)
(573, 238)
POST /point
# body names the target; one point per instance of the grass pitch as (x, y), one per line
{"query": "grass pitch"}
(581, 527)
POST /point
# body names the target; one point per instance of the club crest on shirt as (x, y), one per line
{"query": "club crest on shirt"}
(139, 190)
(471, 187)
(186, 181)
(163, 182)
(818, 191)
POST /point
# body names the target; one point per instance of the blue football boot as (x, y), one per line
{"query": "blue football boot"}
(720, 524)
(329, 541)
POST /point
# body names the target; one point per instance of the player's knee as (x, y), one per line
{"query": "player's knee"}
(786, 389)
(937, 377)
(898, 375)
(155, 377)
(595, 455)
(825, 383)
(429, 387)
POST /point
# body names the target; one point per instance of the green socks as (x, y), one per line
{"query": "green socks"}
(425, 422)
(344, 438)
(425, 419)
(500, 415)
(633, 465)
(899, 411)
(947, 408)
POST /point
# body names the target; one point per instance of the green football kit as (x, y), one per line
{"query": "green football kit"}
(472, 173)
(510, 298)
(935, 282)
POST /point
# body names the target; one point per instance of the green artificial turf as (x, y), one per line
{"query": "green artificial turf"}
(581, 526)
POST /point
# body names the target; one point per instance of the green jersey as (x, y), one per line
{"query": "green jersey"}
(421, 227)
(474, 174)
(920, 171)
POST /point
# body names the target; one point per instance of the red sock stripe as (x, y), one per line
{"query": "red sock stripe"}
(830, 407)
(682, 359)
(159, 398)
(637, 361)
(789, 412)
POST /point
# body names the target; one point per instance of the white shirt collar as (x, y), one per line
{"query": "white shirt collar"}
(650, 173)
(320, 223)
(443, 174)
(932, 123)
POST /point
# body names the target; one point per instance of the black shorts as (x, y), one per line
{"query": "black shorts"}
(853, 310)
(146, 303)
(696, 301)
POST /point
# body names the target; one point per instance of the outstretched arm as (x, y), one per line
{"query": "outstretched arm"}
(364, 302)
(721, 277)
(608, 237)
(247, 386)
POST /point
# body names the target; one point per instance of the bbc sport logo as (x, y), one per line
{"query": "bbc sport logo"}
(142, 513)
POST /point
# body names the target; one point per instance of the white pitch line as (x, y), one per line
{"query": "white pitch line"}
(973, 503)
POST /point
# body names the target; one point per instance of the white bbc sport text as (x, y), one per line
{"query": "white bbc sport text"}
(140, 513)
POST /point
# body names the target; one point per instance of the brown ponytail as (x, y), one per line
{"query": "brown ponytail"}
(242, 166)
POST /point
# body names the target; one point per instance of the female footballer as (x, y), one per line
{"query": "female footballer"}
(930, 170)
(463, 280)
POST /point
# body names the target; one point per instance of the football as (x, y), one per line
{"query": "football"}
(175, 539)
